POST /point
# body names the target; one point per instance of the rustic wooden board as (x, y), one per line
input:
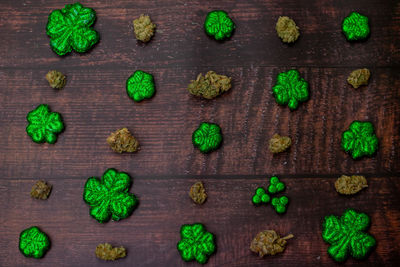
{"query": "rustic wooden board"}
(94, 103)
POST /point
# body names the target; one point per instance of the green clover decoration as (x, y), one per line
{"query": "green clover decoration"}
(346, 235)
(109, 197)
(207, 137)
(70, 29)
(33, 242)
(43, 125)
(219, 25)
(196, 243)
(140, 85)
(360, 140)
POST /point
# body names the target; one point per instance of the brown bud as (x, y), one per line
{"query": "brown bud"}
(108, 253)
(122, 141)
(198, 193)
(41, 190)
(56, 79)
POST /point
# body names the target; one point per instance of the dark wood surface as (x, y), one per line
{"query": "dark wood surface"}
(94, 103)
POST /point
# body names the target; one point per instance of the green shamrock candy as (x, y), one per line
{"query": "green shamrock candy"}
(275, 186)
(33, 242)
(140, 85)
(260, 197)
(43, 125)
(109, 197)
(207, 137)
(355, 27)
(196, 243)
(290, 89)
(360, 140)
(219, 25)
(345, 235)
(70, 28)
(280, 203)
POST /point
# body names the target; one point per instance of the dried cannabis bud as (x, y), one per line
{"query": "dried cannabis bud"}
(144, 28)
(122, 141)
(56, 79)
(287, 30)
(359, 77)
(108, 253)
(198, 193)
(209, 86)
(41, 190)
(278, 144)
(349, 185)
(268, 242)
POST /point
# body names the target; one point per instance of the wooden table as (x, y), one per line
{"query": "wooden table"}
(94, 103)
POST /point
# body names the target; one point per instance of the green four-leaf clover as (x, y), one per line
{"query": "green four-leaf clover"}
(360, 140)
(207, 137)
(109, 197)
(219, 25)
(196, 243)
(290, 89)
(70, 28)
(140, 85)
(33, 242)
(43, 125)
(346, 235)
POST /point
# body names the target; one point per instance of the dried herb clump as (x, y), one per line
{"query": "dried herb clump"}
(108, 253)
(209, 86)
(41, 190)
(198, 193)
(268, 242)
(349, 185)
(56, 79)
(287, 30)
(122, 141)
(359, 77)
(144, 28)
(278, 144)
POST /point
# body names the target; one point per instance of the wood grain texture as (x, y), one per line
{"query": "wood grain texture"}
(94, 103)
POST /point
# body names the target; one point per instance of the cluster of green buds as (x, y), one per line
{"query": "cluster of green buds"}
(262, 196)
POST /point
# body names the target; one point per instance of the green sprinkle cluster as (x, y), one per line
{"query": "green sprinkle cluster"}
(261, 196)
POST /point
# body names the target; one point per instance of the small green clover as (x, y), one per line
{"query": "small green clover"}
(360, 140)
(355, 27)
(140, 85)
(290, 89)
(70, 28)
(43, 125)
(109, 197)
(219, 25)
(346, 235)
(33, 242)
(207, 137)
(196, 243)
(275, 186)
(260, 197)
(280, 203)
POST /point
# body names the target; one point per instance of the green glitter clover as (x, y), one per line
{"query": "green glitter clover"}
(355, 27)
(109, 197)
(43, 125)
(70, 28)
(33, 242)
(345, 235)
(290, 89)
(140, 85)
(275, 186)
(280, 203)
(196, 243)
(219, 25)
(260, 197)
(360, 140)
(207, 137)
